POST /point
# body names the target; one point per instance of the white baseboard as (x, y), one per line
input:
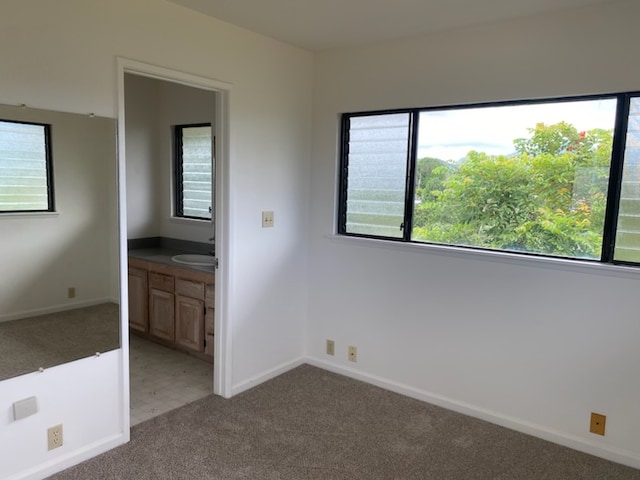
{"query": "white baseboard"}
(54, 309)
(577, 443)
(73, 458)
(268, 375)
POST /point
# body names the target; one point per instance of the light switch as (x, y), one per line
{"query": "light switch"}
(24, 408)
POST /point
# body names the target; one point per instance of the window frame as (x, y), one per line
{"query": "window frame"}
(620, 126)
(48, 151)
(178, 195)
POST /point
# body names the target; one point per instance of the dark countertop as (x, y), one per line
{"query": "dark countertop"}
(163, 255)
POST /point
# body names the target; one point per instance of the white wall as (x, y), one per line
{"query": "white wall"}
(142, 151)
(42, 255)
(63, 56)
(153, 108)
(84, 396)
(535, 346)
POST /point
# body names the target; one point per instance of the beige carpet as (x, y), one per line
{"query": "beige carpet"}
(49, 340)
(312, 424)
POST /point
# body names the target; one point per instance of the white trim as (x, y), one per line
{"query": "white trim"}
(25, 215)
(169, 75)
(7, 317)
(613, 454)
(191, 221)
(125, 386)
(223, 359)
(77, 456)
(268, 375)
(222, 349)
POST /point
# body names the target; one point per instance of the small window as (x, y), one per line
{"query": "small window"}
(193, 171)
(25, 167)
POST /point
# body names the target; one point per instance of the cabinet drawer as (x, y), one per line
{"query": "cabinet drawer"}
(161, 281)
(190, 288)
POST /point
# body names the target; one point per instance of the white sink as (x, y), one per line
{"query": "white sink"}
(195, 259)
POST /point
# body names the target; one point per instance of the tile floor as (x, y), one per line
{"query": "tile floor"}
(163, 379)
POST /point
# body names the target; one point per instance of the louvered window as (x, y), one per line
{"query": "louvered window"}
(554, 177)
(377, 149)
(194, 171)
(628, 232)
(25, 167)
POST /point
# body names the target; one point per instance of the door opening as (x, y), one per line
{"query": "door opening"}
(172, 311)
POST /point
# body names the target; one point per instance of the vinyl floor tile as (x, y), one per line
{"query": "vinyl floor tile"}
(163, 379)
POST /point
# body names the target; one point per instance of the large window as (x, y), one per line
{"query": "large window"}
(25, 167)
(193, 171)
(557, 178)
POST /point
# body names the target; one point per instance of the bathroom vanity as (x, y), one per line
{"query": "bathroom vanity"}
(172, 304)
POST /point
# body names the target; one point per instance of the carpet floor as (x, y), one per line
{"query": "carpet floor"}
(312, 424)
(45, 341)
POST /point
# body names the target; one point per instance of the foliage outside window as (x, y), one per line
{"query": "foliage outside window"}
(193, 171)
(25, 167)
(557, 178)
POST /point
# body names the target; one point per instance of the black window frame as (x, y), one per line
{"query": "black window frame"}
(48, 149)
(178, 172)
(614, 186)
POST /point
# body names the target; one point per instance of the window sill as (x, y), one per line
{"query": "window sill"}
(190, 221)
(562, 264)
(24, 215)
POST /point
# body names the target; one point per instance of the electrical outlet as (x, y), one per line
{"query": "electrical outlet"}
(353, 353)
(72, 292)
(598, 422)
(267, 219)
(54, 437)
(331, 347)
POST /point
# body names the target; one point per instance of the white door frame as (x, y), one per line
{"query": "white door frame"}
(222, 343)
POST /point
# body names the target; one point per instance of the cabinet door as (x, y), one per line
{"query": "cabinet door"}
(138, 300)
(161, 314)
(190, 323)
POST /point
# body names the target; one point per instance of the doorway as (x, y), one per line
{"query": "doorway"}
(152, 101)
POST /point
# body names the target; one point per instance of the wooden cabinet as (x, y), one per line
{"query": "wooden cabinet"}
(180, 305)
(189, 288)
(161, 306)
(161, 314)
(190, 323)
(190, 312)
(138, 299)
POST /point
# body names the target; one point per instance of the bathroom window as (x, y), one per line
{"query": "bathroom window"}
(193, 171)
(25, 167)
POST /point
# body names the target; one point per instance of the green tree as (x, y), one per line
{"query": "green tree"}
(552, 139)
(430, 175)
(549, 197)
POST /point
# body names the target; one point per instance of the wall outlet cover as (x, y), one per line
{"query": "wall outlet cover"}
(54, 437)
(598, 422)
(331, 347)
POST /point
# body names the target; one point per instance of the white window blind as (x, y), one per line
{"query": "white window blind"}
(628, 232)
(24, 167)
(196, 172)
(375, 190)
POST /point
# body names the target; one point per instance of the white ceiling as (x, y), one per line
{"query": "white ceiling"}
(321, 24)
